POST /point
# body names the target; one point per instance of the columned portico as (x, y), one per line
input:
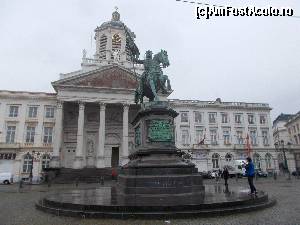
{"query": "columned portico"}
(78, 163)
(101, 146)
(55, 161)
(125, 135)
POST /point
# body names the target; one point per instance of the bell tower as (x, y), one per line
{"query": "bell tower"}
(114, 44)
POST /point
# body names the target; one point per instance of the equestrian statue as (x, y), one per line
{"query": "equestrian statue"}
(153, 80)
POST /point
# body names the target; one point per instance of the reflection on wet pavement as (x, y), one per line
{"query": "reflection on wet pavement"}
(108, 196)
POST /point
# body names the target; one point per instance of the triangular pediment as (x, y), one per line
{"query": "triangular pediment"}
(106, 77)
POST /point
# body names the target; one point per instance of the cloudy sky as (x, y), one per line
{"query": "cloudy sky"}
(252, 59)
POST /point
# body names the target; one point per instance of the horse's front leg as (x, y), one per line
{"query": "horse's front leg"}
(153, 89)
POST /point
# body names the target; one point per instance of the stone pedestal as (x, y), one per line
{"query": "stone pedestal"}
(78, 162)
(55, 162)
(156, 172)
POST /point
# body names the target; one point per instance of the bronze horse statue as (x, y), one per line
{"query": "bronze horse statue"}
(153, 79)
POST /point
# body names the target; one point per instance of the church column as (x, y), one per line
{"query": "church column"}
(101, 133)
(58, 128)
(78, 163)
(125, 134)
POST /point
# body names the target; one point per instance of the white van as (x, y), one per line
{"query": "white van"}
(236, 168)
(6, 178)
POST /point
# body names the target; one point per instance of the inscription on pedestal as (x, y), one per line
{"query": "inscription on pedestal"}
(160, 130)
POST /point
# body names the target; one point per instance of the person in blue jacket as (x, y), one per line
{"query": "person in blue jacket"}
(250, 172)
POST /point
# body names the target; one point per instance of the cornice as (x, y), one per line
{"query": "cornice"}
(24, 95)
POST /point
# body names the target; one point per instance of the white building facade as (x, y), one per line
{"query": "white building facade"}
(215, 133)
(86, 122)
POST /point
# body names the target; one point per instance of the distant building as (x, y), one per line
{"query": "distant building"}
(281, 135)
(292, 126)
(86, 122)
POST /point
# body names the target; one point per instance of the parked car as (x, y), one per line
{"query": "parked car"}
(260, 173)
(206, 175)
(6, 178)
(296, 173)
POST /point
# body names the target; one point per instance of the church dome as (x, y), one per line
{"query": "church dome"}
(116, 23)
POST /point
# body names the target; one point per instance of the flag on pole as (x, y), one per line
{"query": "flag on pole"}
(248, 147)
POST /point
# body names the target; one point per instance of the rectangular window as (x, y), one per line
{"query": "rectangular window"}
(13, 111)
(49, 112)
(48, 132)
(294, 129)
(253, 137)
(239, 137)
(30, 132)
(185, 138)
(198, 117)
(224, 117)
(297, 127)
(238, 118)
(10, 134)
(265, 137)
(199, 135)
(262, 119)
(184, 117)
(296, 139)
(32, 111)
(212, 117)
(250, 118)
(213, 137)
(226, 137)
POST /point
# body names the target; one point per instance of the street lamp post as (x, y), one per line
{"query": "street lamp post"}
(280, 146)
(33, 156)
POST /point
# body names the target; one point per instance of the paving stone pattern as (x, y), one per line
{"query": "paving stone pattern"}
(18, 208)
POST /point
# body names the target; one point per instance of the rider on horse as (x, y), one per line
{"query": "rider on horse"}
(153, 79)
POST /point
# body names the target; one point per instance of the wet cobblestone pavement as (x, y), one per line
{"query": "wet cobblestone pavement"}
(17, 208)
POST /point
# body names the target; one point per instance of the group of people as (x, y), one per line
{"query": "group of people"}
(250, 173)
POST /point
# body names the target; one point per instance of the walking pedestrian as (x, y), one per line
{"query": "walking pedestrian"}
(225, 175)
(250, 173)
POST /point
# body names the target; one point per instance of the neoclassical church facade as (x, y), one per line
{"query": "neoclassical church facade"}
(86, 121)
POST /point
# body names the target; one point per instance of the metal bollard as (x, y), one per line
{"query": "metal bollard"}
(275, 176)
(20, 185)
(102, 180)
(49, 182)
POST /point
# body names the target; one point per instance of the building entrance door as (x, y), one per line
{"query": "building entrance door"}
(115, 157)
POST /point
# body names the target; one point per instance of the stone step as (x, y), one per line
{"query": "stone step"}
(120, 214)
(88, 175)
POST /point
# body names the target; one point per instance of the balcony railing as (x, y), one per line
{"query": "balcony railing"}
(9, 145)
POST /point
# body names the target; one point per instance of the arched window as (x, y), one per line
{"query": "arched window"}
(268, 159)
(216, 160)
(228, 157)
(45, 161)
(102, 47)
(116, 44)
(27, 165)
(256, 161)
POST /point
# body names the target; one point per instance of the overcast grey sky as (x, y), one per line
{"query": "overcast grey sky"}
(252, 59)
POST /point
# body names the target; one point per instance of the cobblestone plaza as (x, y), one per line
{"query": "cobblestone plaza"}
(18, 208)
